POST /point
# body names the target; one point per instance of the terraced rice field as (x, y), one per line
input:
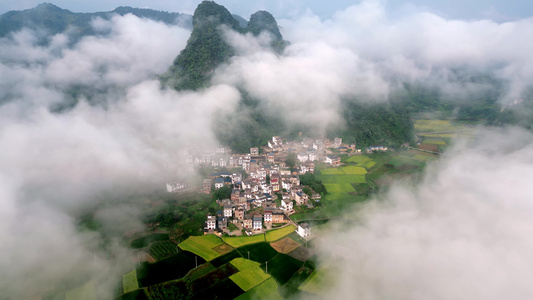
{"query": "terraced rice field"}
(161, 250)
(244, 264)
(129, 281)
(332, 171)
(202, 246)
(359, 159)
(274, 235)
(317, 281)
(435, 125)
(354, 170)
(239, 241)
(339, 188)
(267, 290)
(343, 178)
(249, 278)
(434, 142)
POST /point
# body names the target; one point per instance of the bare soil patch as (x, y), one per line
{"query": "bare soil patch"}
(285, 245)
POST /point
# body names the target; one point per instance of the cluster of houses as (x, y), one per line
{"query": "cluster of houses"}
(275, 153)
(267, 179)
(265, 185)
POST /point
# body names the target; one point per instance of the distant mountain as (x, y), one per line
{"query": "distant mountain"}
(50, 19)
(206, 48)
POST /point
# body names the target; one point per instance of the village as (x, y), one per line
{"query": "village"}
(264, 194)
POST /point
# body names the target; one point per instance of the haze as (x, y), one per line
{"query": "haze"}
(461, 234)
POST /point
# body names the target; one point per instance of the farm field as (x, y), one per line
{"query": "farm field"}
(282, 267)
(259, 252)
(285, 245)
(339, 188)
(316, 282)
(343, 178)
(249, 278)
(359, 159)
(354, 170)
(224, 289)
(238, 241)
(174, 267)
(211, 278)
(243, 264)
(129, 281)
(274, 235)
(84, 292)
(267, 290)
(434, 142)
(147, 240)
(332, 171)
(202, 246)
(435, 125)
(201, 271)
(226, 258)
(163, 249)
(135, 295)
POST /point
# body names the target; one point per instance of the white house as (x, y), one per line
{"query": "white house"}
(337, 142)
(302, 157)
(286, 205)
(313, 156)
(303, 230)
(228, 211)
(172, 188)
(257, 222)
(219, 182)
(211, 222)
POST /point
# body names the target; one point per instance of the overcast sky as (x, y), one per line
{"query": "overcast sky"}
(498, 10)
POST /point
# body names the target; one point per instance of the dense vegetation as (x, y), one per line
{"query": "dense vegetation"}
(206, 48)
(387, 124)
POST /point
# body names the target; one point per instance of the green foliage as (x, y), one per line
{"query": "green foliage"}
(310, 180)
(387, 124)
(290, 160)
(205, 50)
(222, 193)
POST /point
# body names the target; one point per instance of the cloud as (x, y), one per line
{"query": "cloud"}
(56, 165)
(365, 52)
(412, 245)
(461, 233)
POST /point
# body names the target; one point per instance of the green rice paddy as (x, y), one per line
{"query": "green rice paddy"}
(274, 235)
(239, 241)
(129, 281)
(202, 246)
(249, 278)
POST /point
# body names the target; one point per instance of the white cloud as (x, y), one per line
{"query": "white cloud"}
(459, 234)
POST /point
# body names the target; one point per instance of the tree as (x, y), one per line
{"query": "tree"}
(290, 160)
(222, 193)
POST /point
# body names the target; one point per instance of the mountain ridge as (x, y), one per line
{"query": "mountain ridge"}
(207, 48)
